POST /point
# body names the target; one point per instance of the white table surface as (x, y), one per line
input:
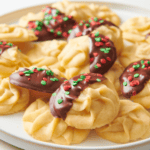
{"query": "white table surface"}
(7, 6)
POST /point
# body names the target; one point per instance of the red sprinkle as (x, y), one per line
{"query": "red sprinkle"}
(21, 73)
(135, 63)
(98, 65)
(91, 59)
(93, 23)
(65, 34)
(99, 75)
(85, 74)
(145, 63)
(103, 61)
(134, 93)
(37, 32)
(65, 82)
(131, 69)
(69, 16)
(149, 67)
(99, 44)
(67, 87)
(87, 80)
(49, 12)
(35, 70)
(29, 79)
(108, 58)
(106, 37)
(130, 78)
(45, 79)
(95, 54)
(104, 40)
(145, 68)
(60, 20)
(78, 34)
(88, 77)
(108, 44)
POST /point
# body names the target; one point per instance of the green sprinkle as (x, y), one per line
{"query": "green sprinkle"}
(125, 83)
(136, 66)
(54, 94)
(46, 13)
(74, 83)
(1, 43)
(54, 79)
(82, 77)
(50, 17)
(55, 15)
(40, 69)
(39, 28)
(43, 82)
(52, 30)
(65, 19)
(57, 11)
(65, 80)
(83, 21)
(10, 44)
(95, 19)
(69, 31)
(37, 23)
(143, 66)
(59, 33)
(98, 39)
(80, 80)
(80, 24)
(0, 50)
(97, 34)
(108, 48)
(136, 75)
(28, 72)
(101, 21)
(96, 67)
(47, 22)
(59, 101)
(98, 80)
(90, 20)
(142, 61)
(49, 72)
(87, 25)
(54, 20)
(27, 75)
(67, 92)
(148, 62)
(102, 49)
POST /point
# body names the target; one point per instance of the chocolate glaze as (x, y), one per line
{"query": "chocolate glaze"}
(40, 31)
(134, 78)
(147, 35)
(61, 110)
(33, 79)
(57, 22)
(4, 46)
(101, 61)
(85, 27)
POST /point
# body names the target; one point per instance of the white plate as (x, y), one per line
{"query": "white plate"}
(11, 128)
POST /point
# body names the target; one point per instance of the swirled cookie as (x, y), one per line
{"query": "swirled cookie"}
(132, 123)
(45, 54)
(86, 101)
(82, 11)
(41, 125)
(134, 53)
(16, 33)
(135, 82)
(12, 98)
(94, 53)
(137, 29)
(11, 59)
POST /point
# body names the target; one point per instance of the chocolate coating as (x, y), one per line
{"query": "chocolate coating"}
(85, 27)
(4, 46)
(134, 78)
(40, 31)
(38, 79)
(102, 53)
(74, 87)
(57, 23)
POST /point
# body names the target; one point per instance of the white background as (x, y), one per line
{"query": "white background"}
(7, 6)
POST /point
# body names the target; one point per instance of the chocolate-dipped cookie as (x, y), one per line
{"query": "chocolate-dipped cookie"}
(135, 82)
(81, 96)
(4, 46)
(39, 79)
(85, 27)
(58, 23)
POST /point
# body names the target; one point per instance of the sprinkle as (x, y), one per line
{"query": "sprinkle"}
(54, 79)
(54, 94)
(130, 78)
(45, 79)
(66, 81)
(143, 66)
(142, 61)
(98, 39)
(57, 11)
(95, 54)
(29, 79)
(67, 92)
(37, 32)
(40, 69)
(27, 75)
(1, 43)
(74, 83)
(21, 73)
(96, 19)
(87, 25)
(134, 93)
(125, 83)
(59, 101)
(97, 34)
(103, 61)
(78, 34)
(96, 67)
(91, 59)
(131, 69)
(107, 44)
(90, 20)
(65, 34)
(98, 80)
(79, 80)
(136, 75)
(10, 44)
(136, 66)
(28, 72)
(80, 24)
(52, 30)
(59, 33)
(101, 21)
(104, 40)
(43, 82)
(88, 77)
(99, 44)
(82, 77)
(47, 22)
(69, 31)
(65, 18)
(99, 75)
(108, 58)
(148, 62)
(67, 87)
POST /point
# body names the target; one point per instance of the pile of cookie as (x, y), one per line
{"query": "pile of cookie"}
(68, 69)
